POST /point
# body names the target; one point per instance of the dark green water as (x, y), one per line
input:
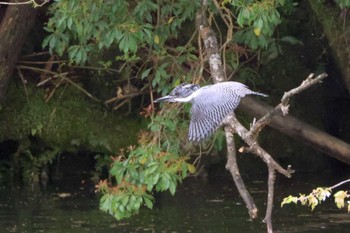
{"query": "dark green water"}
(210, 205)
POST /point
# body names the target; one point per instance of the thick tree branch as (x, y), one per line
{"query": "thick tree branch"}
(254, 146)
(232, 167)
(299, 130)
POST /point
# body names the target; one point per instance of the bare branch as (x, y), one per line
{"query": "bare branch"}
(284, 105)
(303, 86)
(232, 167)
(271, 184)
(63, 78)
(339, 184)
(254, 146)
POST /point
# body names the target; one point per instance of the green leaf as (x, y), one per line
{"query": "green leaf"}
(105, 202)
(69, 23)
(148, 202)
(52, 42)
(125, 200)
(291, 40)
(146, 73)
(155, 178)
(172, 187)
(47, 40)
(73, 50)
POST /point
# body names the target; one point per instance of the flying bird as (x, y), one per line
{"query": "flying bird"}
(210, 104)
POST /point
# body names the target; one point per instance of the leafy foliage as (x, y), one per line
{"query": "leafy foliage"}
(258, 20)
(319, 195)
(313, 199)
(153, 165)
(82, 28)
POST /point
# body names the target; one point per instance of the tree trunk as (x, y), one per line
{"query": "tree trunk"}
(336, 29)
(300, 130)
(14, 27)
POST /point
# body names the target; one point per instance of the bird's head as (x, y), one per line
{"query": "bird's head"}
(182, 93)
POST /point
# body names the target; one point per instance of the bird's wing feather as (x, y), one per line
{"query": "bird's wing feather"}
(210, 108)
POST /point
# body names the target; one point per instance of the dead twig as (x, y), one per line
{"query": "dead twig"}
(62, 76)
(126, 96)
(283, 107)
(24, 82)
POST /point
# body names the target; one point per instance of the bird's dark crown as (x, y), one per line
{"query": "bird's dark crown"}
(184, 90)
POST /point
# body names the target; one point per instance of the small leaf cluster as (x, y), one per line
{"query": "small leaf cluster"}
(339, 199)
(154, 164)
(165, 67)
(258, 20)
(123, 200)
(313, 199)
(317, 196)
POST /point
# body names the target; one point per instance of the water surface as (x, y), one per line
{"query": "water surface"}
(199, 205)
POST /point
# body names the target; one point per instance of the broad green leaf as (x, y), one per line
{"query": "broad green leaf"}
(146, 73)
(148, 202)
(172, 187)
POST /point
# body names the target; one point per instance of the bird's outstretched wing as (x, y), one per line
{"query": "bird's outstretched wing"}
(212, 105)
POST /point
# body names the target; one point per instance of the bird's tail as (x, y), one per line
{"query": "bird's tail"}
(258, 93)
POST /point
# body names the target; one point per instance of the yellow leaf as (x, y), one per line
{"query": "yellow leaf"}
(289, 199)
(348, 207)
(143, 160)
(191, 168)
(339, 198)
(170, 20)
(303, 199)
(156, 39)
(257, 31)
(313, 202)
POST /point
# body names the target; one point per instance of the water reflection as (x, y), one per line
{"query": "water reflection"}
(199, 206)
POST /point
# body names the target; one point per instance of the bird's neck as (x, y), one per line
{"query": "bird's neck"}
(188, 98)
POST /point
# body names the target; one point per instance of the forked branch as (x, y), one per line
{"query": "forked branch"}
(249, 136)
(283, 107)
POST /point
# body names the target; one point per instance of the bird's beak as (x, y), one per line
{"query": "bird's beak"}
(164, 98)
